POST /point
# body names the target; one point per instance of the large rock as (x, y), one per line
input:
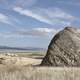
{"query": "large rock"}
(64, 49)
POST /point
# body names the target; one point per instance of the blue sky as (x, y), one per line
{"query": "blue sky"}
(33, 23)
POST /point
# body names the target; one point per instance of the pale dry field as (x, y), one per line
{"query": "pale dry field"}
(26, 68)
(38, 73)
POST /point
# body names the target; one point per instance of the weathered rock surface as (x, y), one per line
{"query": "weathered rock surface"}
(64, 49)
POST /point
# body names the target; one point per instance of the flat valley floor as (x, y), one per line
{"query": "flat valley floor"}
(26, 68)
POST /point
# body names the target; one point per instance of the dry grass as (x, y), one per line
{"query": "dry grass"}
(38, 73)
(25, 71)
(20, 60)
(32, 54)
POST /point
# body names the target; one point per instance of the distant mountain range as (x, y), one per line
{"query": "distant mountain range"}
(21, 49)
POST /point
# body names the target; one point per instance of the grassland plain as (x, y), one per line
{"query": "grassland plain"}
(38, 73)
(30, 72)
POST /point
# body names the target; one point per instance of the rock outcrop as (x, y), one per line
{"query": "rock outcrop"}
(64, 49)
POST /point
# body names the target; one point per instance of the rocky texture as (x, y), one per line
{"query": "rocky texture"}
(64, 49)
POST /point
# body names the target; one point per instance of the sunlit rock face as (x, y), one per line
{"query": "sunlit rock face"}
(64, 49)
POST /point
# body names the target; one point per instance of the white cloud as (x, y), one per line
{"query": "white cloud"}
(58, 13)
(46, 30)
(34, 32)
(51, 16)
(37, 32)
(7, 19)
(4, 19)
(32, 14)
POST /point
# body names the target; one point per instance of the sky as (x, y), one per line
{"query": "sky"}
(33, 23)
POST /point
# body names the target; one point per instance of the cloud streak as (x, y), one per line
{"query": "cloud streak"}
(32, 14)
(37, 32)
(58, 13)
(4, 19)
(50, 16)
(34, 32)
